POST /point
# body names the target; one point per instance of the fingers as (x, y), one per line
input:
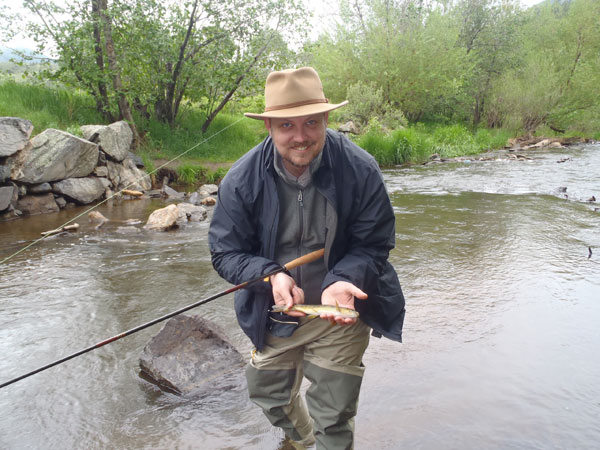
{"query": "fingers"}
(286, 292)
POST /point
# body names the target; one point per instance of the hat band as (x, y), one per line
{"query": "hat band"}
(294, 105)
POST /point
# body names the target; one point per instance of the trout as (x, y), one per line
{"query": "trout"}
(317, 310)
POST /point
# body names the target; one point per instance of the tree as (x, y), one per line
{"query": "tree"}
(156, 56)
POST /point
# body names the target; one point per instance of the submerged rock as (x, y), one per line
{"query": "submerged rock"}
(191, 356)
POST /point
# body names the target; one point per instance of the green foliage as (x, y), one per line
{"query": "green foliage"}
(366, 102)
(192, 174)
(468, 61)
(417, 143)
(167, 54)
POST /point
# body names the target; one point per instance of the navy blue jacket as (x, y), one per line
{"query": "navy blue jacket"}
(243, 232)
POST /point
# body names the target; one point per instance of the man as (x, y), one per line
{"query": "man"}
(304, 188)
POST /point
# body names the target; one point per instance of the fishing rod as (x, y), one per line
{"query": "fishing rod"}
(309, 257)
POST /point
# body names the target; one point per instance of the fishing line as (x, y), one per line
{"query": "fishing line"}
(36, 241)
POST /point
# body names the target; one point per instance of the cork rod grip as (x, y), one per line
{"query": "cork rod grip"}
(308, 258)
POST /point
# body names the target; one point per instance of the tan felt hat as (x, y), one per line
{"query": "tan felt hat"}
(294, 93)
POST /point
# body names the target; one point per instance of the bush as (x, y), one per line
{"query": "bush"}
(366, 102)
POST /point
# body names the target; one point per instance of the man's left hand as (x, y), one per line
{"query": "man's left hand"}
(341, 293)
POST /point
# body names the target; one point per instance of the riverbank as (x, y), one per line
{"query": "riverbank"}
(195, 158)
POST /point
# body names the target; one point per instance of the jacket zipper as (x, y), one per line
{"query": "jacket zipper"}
(301, 217)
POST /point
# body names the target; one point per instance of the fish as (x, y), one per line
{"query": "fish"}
(317, 310)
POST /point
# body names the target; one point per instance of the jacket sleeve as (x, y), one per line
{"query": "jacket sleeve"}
(234, 235)
(369, 234)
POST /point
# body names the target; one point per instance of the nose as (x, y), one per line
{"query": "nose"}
(300, 134)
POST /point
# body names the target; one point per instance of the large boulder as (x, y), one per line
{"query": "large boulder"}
(14, 135)
(82, 190)
(114, 139)
(126, 175)
(190, 356)
(54, 155)
(32, 205)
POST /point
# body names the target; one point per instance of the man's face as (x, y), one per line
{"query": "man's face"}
(298, 140)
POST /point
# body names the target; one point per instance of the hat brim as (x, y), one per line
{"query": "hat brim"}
(298, 111)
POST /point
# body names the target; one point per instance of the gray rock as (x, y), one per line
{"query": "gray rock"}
(191, 356)
(14, 135)
(82, 190)
(190, 213)
(172, 194)
(37, 204)
(114, 139)
(196, 198)
(208, 189)
(54, 155)
(127, 176)
(136, 160)
(101, 171)
(4, 173)
(40, 188)
(7, 194)
(61, 202)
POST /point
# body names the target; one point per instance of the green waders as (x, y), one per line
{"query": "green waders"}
(330, 356)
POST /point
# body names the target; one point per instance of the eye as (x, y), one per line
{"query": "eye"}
(286, 125)
(311, 123)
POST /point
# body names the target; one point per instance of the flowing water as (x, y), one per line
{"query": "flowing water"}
(501, 335)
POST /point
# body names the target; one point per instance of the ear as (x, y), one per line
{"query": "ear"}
(267, 125)
(326, 117)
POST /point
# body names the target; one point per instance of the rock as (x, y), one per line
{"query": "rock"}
(14, 135)
(37, 204)
(348, 127)
(191, 356)
(190, 213)
(40, 188)
(4, 173)
(7, 194)
(82, 190)
(172, 194)
(101, 171)
(127, 176)
(61, 202)
(195, 198)
(54, 155)
(97, 217)
(114, 139)
(136, 160)
(208, 189)
(163, 219)
(209, 201)
(591, 199)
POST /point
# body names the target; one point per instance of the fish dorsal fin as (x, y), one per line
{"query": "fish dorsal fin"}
(337, 306)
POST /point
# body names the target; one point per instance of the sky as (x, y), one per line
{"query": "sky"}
(325, 14)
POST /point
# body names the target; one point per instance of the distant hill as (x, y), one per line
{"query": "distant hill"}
(7, 54)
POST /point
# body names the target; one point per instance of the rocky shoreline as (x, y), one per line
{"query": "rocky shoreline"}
(56, 169)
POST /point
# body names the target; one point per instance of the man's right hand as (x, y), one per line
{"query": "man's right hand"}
(286, 292)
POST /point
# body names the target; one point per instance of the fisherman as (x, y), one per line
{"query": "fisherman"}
(307, 187)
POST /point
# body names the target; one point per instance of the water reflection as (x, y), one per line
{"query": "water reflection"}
(500, 338)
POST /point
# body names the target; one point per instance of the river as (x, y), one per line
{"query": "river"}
(500, 343)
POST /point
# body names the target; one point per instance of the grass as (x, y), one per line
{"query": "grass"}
(420, 141)
(47, 107)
